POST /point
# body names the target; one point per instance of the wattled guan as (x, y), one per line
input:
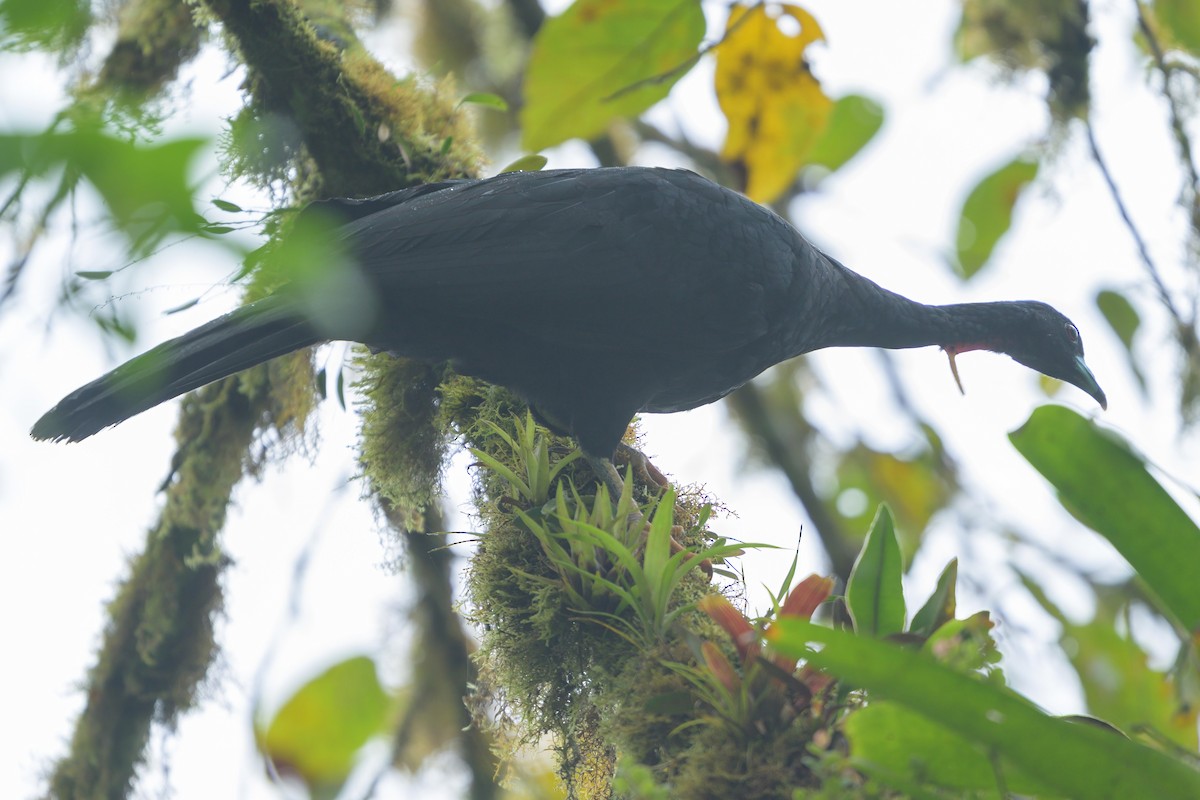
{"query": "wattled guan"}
(594, 294)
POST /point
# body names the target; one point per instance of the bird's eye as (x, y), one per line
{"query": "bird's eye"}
(1072, 333)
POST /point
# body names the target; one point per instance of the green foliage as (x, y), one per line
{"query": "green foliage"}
(614, 567)
(874, 594)
(1072, 759)
(913, 484)
(528, 163)
(1116, 677)
(1178, 23)
(853, 123)
(900, 746)
(146, 187)
(939, 608)
(1049, 36)
(486, 100)
(55, 25)
(603, 59)
(1104, 482)
(317, 734)
(534, 476)
(987, 212)
(1124, 320)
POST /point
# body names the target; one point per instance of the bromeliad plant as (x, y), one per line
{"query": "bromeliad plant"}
(764, 693)
(534, 475)
(620, 564)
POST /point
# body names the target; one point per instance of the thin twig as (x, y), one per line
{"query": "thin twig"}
(1143, 250)
(1177, 124)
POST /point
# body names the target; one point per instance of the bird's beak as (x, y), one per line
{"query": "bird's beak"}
(1084, 379)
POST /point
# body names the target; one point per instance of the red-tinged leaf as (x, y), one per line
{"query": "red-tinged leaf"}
(719, 665)
(733, 622)
(803, 600)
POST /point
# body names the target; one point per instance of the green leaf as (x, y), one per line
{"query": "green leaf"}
(318, 732)
(1071, 759)
(939, 608)
(603, 59)
(913, 486)
(184, 306)
(145, 186)
(486, 99)
(225, 205)
(1121, 315)
(94, 274)
(888, 740)
(529, 163)
(1179, 23)
(987, 212)
(853, 122)
(51, 24)
(1116, 677)
(1123, 318)
(1106, 485)
(874, 593)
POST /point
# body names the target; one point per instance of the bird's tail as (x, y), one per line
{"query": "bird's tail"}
(252, 334)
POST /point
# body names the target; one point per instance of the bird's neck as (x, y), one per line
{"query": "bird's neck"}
(870, 316)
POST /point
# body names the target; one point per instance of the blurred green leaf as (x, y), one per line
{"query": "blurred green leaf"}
(1107, 486)
(966, 645)
(1120, 313)
(874, 593)
(529, 163)
(486, 99)
(318, 732)
(888, 740)
(1075, 760)
(987, 213)
(1178, 23)
(145, 186)
(55, 25)
(939, 608)
(184, 306)
(853, 122)
(1123, 318)
(602, 59)
(913, 486)
(1117, 680)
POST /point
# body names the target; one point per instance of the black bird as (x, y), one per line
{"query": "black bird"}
(594, 294)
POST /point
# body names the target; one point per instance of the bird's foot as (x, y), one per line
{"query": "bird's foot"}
(642, 468)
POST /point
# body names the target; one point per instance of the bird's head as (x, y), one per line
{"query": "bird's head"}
(1038, 336)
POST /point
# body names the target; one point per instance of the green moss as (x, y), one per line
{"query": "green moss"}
(401, 450)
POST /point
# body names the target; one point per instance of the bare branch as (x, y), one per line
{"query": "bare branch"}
(1177, 123)
(1143, 251)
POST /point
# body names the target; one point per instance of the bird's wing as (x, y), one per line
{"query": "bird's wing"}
(658, 259)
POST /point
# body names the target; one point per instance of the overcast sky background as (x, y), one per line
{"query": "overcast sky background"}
(70, 516)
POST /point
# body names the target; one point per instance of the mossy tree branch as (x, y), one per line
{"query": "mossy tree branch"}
(364, 132)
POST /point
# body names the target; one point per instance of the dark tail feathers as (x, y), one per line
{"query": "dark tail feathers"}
(252, 334)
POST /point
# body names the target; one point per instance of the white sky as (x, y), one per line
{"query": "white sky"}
(71, 516)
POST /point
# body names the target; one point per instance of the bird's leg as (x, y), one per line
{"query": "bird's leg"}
(606, 472)
(642, 467)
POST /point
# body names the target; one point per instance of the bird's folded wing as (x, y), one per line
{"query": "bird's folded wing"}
(571, 257)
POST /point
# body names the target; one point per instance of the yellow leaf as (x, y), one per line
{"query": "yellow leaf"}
(775, 107)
